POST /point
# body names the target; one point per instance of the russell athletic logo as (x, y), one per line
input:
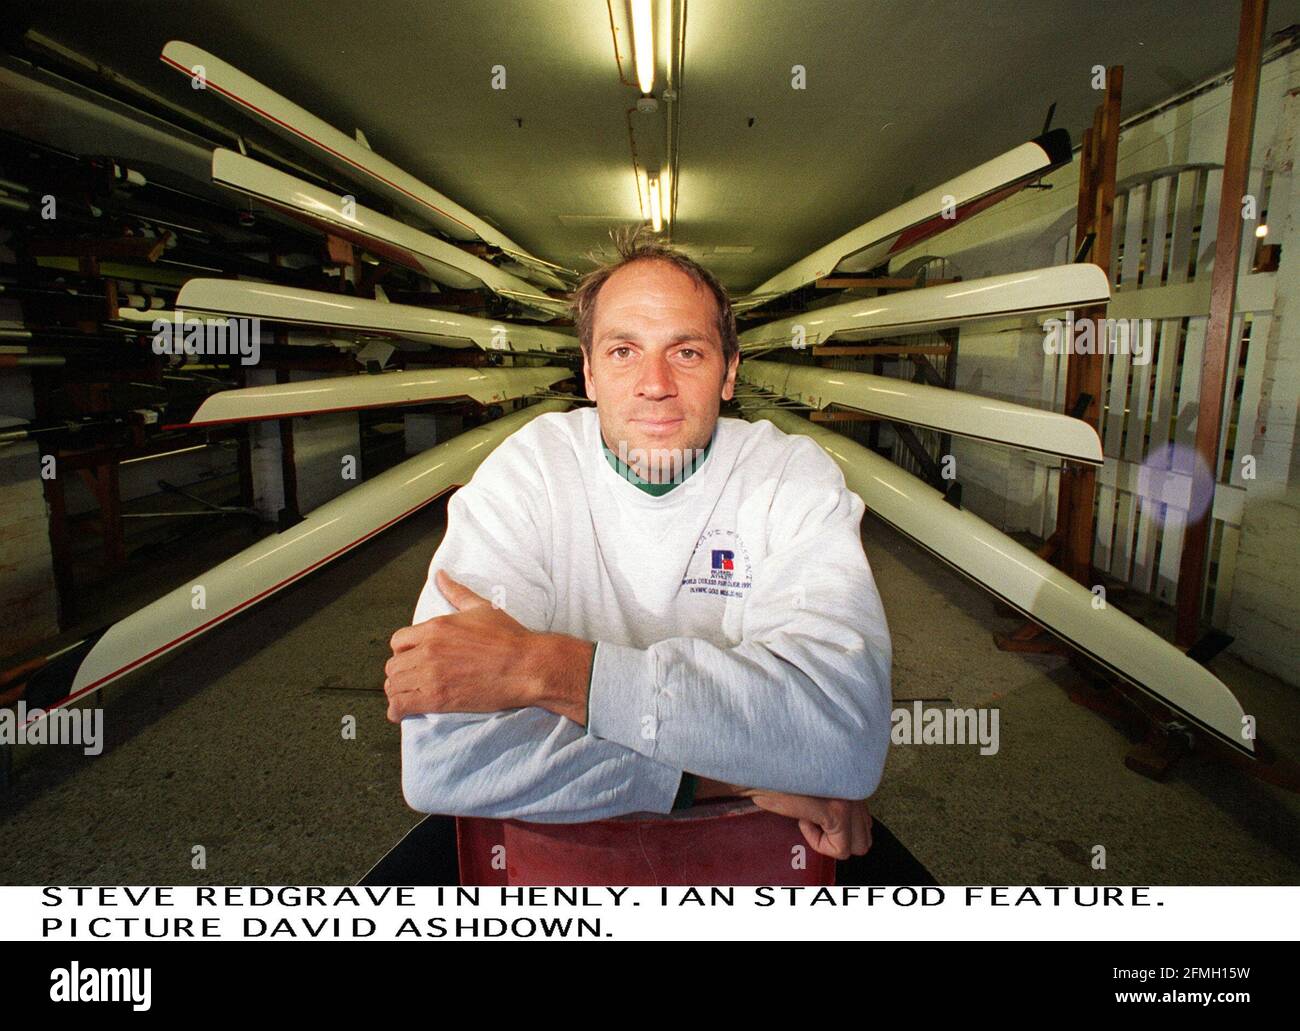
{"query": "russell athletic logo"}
(75, 983)
(720, 566)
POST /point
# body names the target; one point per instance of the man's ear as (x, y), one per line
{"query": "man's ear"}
(588, 381)
(729, 381)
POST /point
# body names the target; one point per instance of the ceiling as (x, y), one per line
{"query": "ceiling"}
(899, 97)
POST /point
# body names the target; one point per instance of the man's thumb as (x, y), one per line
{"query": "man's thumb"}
(457, 593)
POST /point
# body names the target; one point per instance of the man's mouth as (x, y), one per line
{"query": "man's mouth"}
(658, 427)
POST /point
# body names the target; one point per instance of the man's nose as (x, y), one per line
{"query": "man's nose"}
(656, 378)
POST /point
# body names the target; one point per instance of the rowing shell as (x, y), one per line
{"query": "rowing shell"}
(377, 233)
(242, 299)
(272, 564)
(922, 217)
(349, 393)
(935, 408)
(938, 307)
(1026, 582)
(341, 151)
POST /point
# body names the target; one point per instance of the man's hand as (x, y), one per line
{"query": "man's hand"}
(835, 827)
(480, 659)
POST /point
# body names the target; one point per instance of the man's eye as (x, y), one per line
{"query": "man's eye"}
(690, 354)
(617, 351)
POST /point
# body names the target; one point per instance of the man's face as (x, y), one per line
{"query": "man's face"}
(655, 370)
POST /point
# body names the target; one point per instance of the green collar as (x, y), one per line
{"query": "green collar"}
(655, 489)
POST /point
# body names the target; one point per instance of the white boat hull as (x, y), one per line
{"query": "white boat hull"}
(243, 299)
(938, 307)
(341, 151)
(922, 217)
(384, 236)
(918, 404)
(1026, 582)
(283, 558)
(386, 389)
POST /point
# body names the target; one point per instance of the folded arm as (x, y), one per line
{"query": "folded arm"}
(525, 762)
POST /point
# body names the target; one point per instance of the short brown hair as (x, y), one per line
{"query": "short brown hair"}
(633, 244)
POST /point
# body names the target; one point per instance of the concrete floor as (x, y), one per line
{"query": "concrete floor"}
(234, 744)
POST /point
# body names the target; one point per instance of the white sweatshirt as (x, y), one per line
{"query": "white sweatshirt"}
(739, 634)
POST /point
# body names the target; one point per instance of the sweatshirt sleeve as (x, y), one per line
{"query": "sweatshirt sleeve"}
(802, 703)
(525, 763)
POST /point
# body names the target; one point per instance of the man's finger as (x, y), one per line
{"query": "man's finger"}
(401, 705)
(406, 682)
(861, 832)
(397, 668)
(821, 841)
(457, 593)
(399, 684)
(839, 841)
(410, 636)
(815, 835)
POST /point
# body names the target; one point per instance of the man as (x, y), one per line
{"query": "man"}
(641, 605)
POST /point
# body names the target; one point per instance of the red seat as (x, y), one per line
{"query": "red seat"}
(721, 843)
